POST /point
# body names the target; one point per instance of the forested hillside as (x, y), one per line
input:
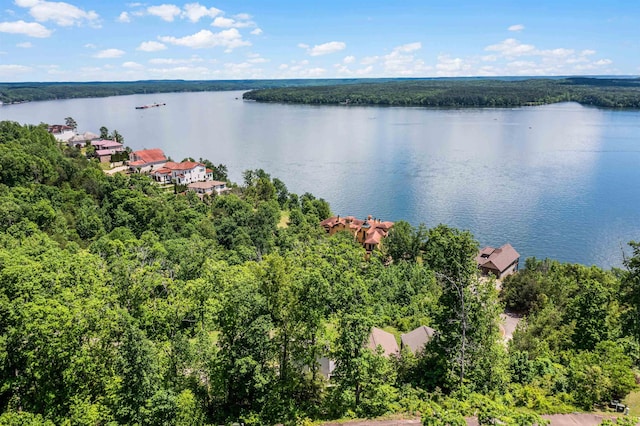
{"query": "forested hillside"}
(121, 303)
(452, 93)
(34, 91)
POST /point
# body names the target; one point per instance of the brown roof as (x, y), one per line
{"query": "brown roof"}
(154, 155)
(206, 184)
(498, 259)
(384, 339)
(106, 143)
(185, 165)
(59, 128)
(416, 339)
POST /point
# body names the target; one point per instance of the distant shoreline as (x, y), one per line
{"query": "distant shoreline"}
(604, 93)
(470, 92)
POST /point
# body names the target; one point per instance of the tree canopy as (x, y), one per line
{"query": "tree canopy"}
(122, 303)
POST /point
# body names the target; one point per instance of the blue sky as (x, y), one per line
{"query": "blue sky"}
(110, 40)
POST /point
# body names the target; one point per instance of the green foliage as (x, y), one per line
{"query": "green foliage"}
(125, 304)
(478, 93)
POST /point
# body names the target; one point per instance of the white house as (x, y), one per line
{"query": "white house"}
(208, 187)
(182, 173)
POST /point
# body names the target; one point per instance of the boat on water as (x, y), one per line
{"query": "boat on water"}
(151, 105)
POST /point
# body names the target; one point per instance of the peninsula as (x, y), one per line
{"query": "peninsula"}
(464, 93)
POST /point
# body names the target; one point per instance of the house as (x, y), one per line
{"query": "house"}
(208, 187)
(61, 132)
(106, 148)
(367, 232)
(79, 141)
(386, 340)
(182, 173)
(146, 160)
(415, 340)
(500, 262)
(377, 337)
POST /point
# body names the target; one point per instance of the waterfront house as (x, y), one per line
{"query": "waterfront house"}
(208, 187)
(80, 140)
(367, 232)
(415, 340)
(146, 160)
(499, 262)
(106, 148)
(182, 173)
(61, 132)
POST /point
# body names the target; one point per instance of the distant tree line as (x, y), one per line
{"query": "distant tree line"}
(451, 93)
(28, 92)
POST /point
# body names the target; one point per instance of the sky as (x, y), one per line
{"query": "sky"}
(112, 40)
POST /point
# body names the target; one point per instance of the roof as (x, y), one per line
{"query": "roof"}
(498, 259)
(89, 136)
(206, 185)
(416, 339)
(185, 165)
(146, 156)
(385, 339)
(59, 128)
(105, 143)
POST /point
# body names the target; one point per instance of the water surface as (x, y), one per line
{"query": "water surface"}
(559, 181)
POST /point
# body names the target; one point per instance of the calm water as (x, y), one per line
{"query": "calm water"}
(559, 181)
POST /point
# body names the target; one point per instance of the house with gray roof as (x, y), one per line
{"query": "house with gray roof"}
(499, 262)
(415, 340)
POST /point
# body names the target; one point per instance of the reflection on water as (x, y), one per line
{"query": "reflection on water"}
(557, 181)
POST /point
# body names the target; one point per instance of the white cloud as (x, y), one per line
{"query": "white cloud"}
(25, 45)
(124, 17)
(409, 47)
(402, 62)
(151, 46)
(344, 70)
(90, 46)
(31, 29)
(323, 49)
(243, 16)
(588, 52)
(12, 69)
(349, 59)
(132, 65)
(63, 14)
(257, 31)
(229, 39)
(222, 22)
(109, 53)
(511, 48)
(603, 62)
(174, 61)
(448, 66)
(516, 28)
(166, 12)
(195, 11)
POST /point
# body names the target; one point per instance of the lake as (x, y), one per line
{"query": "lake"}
(559, 181)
